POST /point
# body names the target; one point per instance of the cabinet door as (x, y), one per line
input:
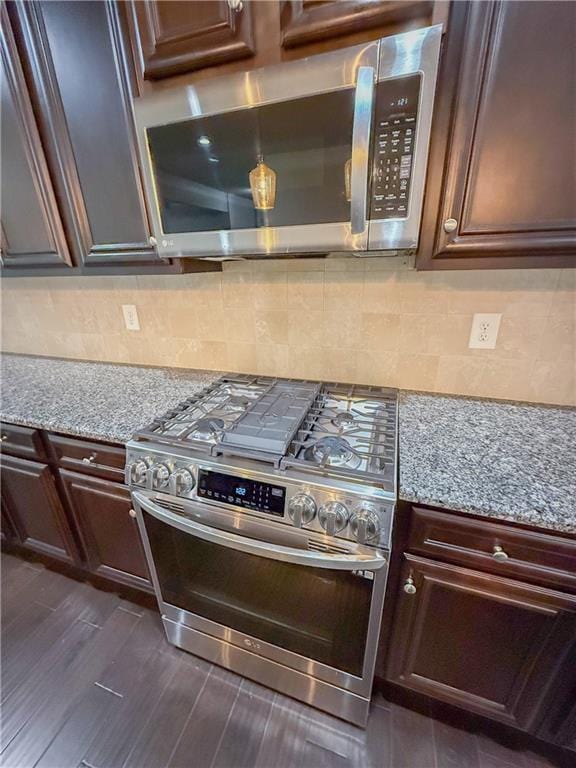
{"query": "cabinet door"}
(306, 21)
(33, 507)
(79, 76)
(488, 644)
(109, 534)
(175, 37)
(32, 232)
(501, 177)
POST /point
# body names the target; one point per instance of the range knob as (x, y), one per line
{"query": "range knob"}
(333, 517)
(157, 476)
(135, 472)
(302, 509)
(364, 523)
(181, 482)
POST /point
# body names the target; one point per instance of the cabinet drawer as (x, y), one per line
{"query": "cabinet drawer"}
(89, 457)
(21, 441)
(536, 557)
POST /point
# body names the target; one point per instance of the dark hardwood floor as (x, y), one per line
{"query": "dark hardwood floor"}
(88, 681)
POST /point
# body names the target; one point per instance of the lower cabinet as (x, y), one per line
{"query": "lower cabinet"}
(33, 510)
(491, 645)
(109, 534)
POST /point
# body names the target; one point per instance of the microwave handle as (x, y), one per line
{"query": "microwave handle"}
(365, 562)
(361, 148)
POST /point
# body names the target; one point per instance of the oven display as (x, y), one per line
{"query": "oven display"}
(241, 492)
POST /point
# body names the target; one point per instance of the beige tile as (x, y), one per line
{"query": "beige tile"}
(459, 375)
(420, 293)
(211, 324)
(558, 340)
(272, 360)
(381, 293)
(242, 357)
(339, 364)
(270, 290)
(306, 362)
(341, 329)
(553, 382)
(343, 290)
(237, 290)
(519, 336)
(271, 326)
(413, 334)
(506, 378)
(344, 263)
(305, 290)
(239, 325)
(377, 367)
(417, 371)
(305, 265)
(379, 332)
(305, 328)
(448, 334)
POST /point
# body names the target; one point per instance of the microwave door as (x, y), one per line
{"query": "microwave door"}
(283, 168)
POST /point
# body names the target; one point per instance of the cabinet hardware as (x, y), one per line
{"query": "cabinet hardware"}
(3, 438)
(499, 554)
(89, 459)
(235, 5)
(450, 225)
(409, 586)
(132, 512)
(153, 241)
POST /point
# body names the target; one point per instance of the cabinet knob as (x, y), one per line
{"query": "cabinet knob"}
(499, 554)
(235, 5)
(132, 512)
(3, 438)
(450, 225)
(409, 586)
(153, 241)
(89, 459)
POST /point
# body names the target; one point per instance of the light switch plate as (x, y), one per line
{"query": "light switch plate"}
(484, 332)
(130, 317)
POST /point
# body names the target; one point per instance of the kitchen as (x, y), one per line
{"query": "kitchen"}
(291, 285)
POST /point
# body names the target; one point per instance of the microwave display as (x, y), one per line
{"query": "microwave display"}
(394, 144)
(241, 492)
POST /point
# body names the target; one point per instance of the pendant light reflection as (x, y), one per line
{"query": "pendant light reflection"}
(348, 180)
(263, 186)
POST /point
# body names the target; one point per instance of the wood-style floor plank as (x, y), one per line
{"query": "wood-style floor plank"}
(455, 748)
(155, 744)
(412, 739)
(203, 730)
(47, 716)
(284, 740)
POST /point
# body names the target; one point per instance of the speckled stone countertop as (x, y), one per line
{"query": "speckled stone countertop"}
(94, 400)
(511, 461)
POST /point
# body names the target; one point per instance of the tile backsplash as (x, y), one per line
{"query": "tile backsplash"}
(359, 320)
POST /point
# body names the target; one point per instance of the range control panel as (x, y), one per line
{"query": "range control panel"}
(394, 143)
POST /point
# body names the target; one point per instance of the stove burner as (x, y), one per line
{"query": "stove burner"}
(207, 429)
(334, 452)
(343, 420)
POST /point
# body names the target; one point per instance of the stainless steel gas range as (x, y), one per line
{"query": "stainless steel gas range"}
(266, 507)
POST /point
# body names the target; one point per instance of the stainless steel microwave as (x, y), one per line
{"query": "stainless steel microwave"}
(322, 154)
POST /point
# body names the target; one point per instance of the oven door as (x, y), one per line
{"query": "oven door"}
(275, 592)
(307, 121)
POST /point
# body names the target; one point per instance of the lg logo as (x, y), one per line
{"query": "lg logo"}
(252, 644)
(166, 243)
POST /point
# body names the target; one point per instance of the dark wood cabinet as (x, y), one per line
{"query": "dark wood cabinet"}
(109, 534)
(184, 35)
(308, 21)
(74, 55)
(501, 187)
(32, 231)
(35, 513)
(490, 645)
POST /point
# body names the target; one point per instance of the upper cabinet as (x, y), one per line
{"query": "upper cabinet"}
(74, 57)
(175, 37)
(501, 180)
(32, 231)
(308, 21)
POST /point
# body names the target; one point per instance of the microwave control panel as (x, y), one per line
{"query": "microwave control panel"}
(394, 144)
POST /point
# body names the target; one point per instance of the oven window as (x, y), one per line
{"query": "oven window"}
(202, 166)
(318, 613)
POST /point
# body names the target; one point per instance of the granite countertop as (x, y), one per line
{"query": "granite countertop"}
(511, 461)
(94, 400)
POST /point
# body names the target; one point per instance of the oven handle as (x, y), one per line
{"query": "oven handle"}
(361, 149)
(366, 562)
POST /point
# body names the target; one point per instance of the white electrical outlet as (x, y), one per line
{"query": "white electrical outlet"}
(484, 331)
(130, 317)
